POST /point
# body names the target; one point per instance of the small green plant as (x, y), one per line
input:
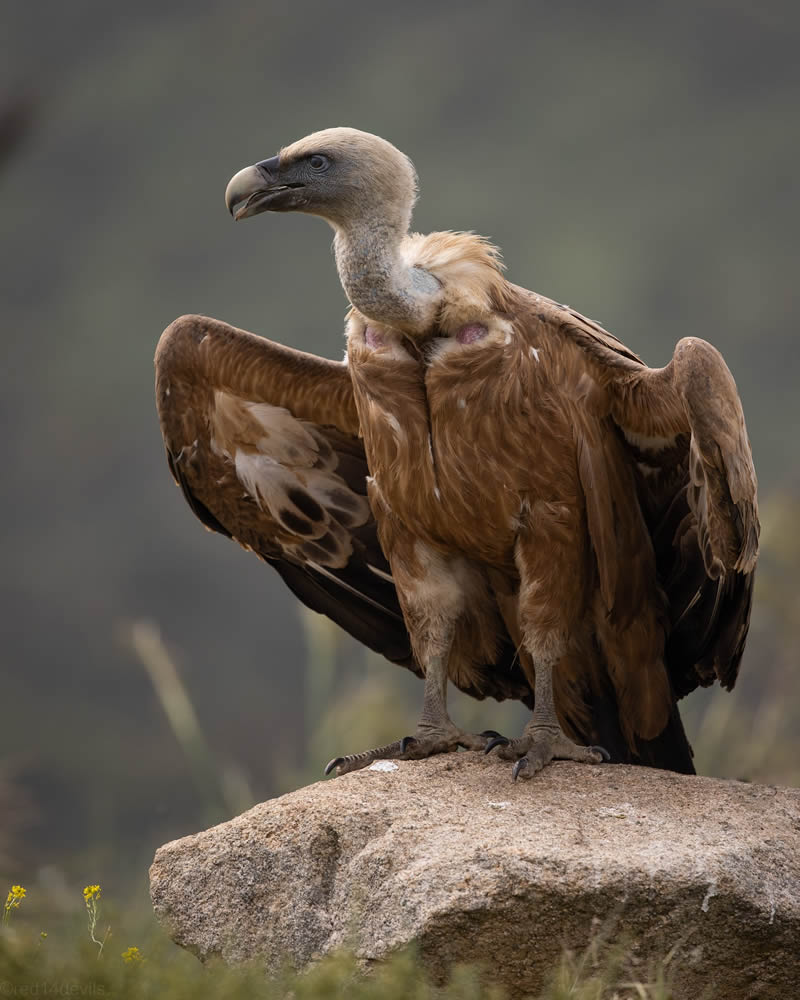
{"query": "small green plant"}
(14, 898)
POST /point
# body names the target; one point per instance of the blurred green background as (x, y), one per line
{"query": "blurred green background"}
(638, 161)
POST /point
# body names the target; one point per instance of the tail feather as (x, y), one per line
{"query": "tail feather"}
(669, 750)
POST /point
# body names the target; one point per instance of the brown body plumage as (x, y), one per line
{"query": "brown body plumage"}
(548, 513)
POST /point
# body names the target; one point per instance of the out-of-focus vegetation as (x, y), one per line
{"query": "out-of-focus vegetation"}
(34, 963)
(754, 732)
(635, 160)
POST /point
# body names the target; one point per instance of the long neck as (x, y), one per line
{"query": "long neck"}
(378, 282)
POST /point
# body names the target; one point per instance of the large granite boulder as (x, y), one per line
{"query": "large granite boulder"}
(452, 855)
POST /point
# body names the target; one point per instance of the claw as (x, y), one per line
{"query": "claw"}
(430, 739)
(333, 763)
(602, 751)
(521, 764)
(491, 734)
(497, 741)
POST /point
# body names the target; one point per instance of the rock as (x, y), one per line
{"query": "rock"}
(451, 854)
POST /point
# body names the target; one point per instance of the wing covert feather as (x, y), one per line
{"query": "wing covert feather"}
(263, 442)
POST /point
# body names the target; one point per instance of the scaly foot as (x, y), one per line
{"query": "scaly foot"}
(539, 745)
(427, 741)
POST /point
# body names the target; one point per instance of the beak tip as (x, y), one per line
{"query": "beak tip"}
(240, 187)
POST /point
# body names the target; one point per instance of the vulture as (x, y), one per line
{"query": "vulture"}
(491, 490)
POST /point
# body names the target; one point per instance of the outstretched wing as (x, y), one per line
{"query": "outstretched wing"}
(263, 441)
(684, 428)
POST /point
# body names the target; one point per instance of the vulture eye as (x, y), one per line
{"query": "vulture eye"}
(318, 162)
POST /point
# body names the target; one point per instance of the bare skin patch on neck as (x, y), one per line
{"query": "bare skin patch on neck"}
(374, 338)
(471, 332)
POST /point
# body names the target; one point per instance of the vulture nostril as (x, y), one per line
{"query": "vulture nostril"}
(269, 167)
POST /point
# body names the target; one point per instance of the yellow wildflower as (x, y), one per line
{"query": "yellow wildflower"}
(132, 955)
(91, 896)
(14, 898)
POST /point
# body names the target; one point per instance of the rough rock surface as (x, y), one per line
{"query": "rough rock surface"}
(450, 853)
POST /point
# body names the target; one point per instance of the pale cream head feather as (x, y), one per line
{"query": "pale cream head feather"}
(377, 180)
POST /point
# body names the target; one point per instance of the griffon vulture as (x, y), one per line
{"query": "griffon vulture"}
(492, 490)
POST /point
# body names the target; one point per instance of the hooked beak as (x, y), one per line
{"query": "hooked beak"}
(257, 189)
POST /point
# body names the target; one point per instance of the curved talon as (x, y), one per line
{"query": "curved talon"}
(521, 764)
(430, 739)
(491, 734)
(498, 741)
(602, 751)
(333, 763)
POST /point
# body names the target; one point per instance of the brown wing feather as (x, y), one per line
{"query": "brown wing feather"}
(715, 544)
(263, 443)
(629, 615)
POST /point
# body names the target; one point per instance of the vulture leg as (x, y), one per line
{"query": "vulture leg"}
(431, 590)
(544, 739)
(551, 602)
(435, 733)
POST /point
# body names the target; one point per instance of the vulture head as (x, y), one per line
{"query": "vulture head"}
(340, 174)
(365, 188)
